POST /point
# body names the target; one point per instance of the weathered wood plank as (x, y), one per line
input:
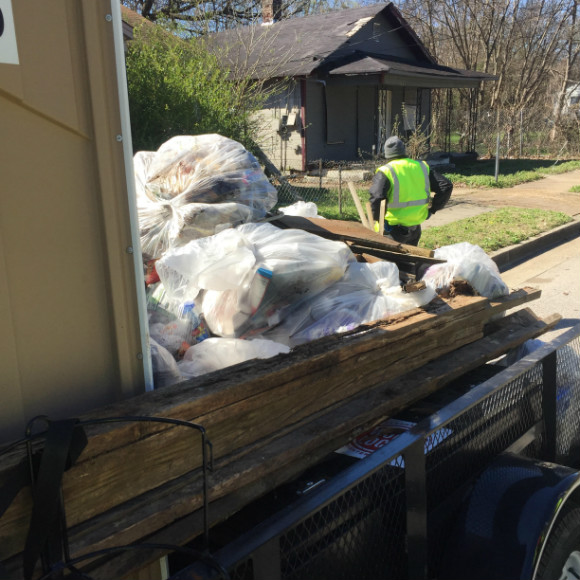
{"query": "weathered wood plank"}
(285, 457)
(234, 420)
(390, 255)
(235, 412)
(350, 231)
(358, 205)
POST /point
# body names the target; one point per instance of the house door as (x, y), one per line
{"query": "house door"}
(385, 99)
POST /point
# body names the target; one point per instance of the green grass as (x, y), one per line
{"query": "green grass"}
(494, 230)
(327, 201)
(511, 172)
(575, 189)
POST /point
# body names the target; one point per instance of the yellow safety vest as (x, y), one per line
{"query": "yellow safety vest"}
(408, 199)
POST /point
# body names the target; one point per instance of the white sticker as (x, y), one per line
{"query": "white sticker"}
(8, 48)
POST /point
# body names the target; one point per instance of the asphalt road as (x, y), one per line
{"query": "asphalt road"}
(556, 273)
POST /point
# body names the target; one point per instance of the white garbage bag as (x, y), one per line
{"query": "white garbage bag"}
(306, 209)
(217, 353)
(165, 371)
(470, 262)
(366, 293)
(193, 186)
(249, 275)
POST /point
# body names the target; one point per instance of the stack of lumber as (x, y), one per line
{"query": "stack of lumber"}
(267, 420)
(366, 244)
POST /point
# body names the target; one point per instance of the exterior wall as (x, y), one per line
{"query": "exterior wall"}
(572, 102)
(69, 338)
(379, 36)
(280, 129)
(351, 112)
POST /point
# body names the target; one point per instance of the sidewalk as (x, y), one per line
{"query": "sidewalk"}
(549, 193)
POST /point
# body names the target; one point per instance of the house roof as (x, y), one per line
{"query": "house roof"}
(402, 72)
(128, 24)
(323, 44)
(132, 18)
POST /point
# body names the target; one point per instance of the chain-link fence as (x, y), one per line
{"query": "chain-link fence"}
(328, 187)
(526, 135)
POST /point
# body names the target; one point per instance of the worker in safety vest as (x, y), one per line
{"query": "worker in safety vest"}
(406, 184)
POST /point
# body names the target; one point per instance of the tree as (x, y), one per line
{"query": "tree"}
(197, 17)
(177, 87)
(568, 74)
(525, 43)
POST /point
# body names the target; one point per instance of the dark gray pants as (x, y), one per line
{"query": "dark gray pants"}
(405, 234)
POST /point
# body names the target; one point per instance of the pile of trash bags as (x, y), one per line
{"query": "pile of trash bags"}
(224, 287)
(193, 186)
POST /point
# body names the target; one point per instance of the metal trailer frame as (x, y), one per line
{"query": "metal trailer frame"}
(392, 514)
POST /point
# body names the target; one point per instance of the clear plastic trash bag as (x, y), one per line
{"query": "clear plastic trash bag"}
(174, 326)
(193, 186)
(217, 353)
(470, 262)
(306, 209)
(165, 371)
(250, 274)
(366, 293)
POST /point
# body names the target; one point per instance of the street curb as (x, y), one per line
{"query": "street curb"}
(506, 257)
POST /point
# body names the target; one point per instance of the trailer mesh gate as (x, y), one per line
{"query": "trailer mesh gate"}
(373, 520)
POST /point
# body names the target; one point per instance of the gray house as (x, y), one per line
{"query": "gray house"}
(349, 76)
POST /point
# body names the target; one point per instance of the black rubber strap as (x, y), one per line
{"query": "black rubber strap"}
(63, 444)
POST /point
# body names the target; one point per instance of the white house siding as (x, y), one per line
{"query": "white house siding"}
(281, 142)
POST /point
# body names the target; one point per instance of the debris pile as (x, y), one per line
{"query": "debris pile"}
(224, 286)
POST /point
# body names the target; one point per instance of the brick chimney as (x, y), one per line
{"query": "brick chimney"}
(271, 11)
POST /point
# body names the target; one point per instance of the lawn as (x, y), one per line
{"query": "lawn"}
(494, 230)
(511, 172)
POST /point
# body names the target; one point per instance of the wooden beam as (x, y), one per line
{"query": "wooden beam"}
(270, 463)
(391, 256)
(246, 403)
(370, 216)
(350, 232)
(382, 217)
(358, 205)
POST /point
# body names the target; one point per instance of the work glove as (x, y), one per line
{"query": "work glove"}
(376, 227)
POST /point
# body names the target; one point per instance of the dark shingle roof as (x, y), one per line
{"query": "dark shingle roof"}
(432, 75)
(298, 46)
(322, 44)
